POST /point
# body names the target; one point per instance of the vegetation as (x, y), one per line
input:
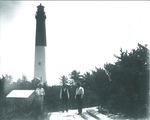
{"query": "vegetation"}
(122, 87)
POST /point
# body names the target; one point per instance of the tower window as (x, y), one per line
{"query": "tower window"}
(39, 63)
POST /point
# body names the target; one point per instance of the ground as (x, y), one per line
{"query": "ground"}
(88, 114)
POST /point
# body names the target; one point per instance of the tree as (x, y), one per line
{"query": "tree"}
(2, 87)
(101, 84)
(88, 82)
(129, 88)
(7, 80)
(76, 76)
(64, 80)
(35, 82)
(23, 83)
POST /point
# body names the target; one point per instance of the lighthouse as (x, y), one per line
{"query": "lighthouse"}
(40, 45)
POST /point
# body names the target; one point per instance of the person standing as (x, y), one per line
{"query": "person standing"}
(39, 99)
(64, 96)
(79, 97)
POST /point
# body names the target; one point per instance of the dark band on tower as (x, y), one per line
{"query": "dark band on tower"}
(40, 26)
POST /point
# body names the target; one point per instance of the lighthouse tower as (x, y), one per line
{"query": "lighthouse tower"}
(40, 45)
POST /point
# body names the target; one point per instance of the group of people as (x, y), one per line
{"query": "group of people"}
(64, 97)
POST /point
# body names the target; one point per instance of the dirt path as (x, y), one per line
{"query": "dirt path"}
(72, 115)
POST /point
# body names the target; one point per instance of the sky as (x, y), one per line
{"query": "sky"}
(81, 35)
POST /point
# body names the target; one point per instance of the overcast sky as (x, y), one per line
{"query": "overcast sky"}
(81, 35)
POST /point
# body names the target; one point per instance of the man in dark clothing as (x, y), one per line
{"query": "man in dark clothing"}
(64, 96)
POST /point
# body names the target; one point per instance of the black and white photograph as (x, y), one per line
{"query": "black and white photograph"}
(74, 60)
